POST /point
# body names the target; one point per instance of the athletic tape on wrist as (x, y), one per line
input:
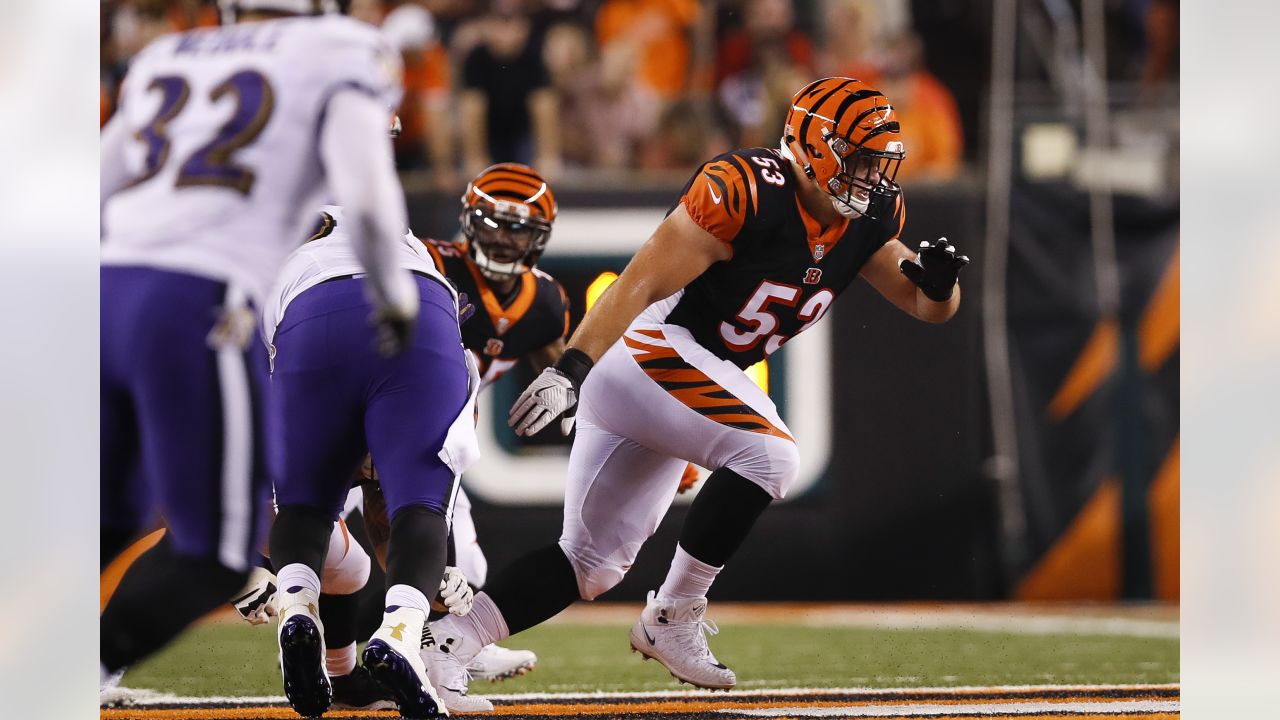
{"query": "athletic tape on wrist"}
(574, 364)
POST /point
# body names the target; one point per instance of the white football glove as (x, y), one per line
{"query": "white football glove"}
(256, 603)
(455, 594)
(549, 396)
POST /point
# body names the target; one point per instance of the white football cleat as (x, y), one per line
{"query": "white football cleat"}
(496, 663)
(393, 658)
(447, 652)
(675, 634)
(301, 638)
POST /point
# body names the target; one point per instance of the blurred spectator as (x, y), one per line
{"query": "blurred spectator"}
(106, 105)
(926, 111)
(603, 116)
(424, 112)
(849, 48)
(870, 40)
(370, 11)
(648, 42)
(188, 14)
(509, 111)
(766, 22)
(1160, 64)
(758, 69)
(684, 137)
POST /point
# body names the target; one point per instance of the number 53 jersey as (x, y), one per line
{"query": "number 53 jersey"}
(224, 166)
(785, 271)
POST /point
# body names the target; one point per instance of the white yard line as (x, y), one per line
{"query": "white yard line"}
(152, 698)
(1012, 618)
(976, 710)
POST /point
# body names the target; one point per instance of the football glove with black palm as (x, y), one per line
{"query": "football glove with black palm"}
(455, 595)
(935, 269)
(256, 603)
(394, 330)
(553, 394)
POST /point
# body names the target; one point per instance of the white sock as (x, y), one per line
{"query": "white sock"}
(688, 578)
(296, 576)
(484, 624)
(407, 596)
(340, 661)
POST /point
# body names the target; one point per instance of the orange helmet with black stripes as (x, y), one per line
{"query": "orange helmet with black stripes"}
(846, 137)
(507, 212)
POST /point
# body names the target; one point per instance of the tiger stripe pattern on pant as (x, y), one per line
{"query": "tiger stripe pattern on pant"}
(654, 354)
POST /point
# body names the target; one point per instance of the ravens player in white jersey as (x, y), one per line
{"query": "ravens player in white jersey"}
(519, 312)
(225, 141)
(755, 251)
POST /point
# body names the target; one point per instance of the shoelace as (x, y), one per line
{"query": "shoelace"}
(457, 670)
(693, 634)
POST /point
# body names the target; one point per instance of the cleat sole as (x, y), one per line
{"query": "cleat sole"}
(673, 674)
(394, 672)
(302, 663)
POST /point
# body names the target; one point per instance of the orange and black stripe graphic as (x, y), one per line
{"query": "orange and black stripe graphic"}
(722, 197)
(514, 183)
(693, 388)
(834, 106)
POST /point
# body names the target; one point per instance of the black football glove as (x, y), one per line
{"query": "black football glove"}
(394, 331)
(935, 269)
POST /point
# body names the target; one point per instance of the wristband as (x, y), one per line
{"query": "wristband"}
(574, 364)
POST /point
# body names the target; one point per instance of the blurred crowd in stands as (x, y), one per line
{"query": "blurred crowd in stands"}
(583, 86)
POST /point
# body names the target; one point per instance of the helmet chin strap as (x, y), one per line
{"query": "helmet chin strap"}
(856, 209)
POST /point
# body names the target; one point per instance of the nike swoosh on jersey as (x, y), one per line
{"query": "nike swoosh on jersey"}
(714, 196)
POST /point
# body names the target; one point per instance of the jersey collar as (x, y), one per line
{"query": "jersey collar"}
(820, 243)
(505, 317)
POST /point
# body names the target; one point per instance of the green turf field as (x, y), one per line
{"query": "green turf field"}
(230, 658)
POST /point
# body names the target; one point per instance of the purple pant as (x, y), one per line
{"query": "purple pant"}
(181, 413)
(332, 398)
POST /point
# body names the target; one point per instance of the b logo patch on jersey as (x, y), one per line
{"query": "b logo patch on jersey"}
(493, 348)
(813, 275)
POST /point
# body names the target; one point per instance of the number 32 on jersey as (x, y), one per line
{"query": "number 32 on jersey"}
(763, 323)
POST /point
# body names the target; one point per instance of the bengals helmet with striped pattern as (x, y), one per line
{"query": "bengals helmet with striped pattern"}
(507, 212)
(846, 137)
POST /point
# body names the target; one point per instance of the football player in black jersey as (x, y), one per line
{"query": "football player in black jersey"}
(756, 250)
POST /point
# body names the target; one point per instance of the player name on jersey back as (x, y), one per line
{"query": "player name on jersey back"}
(225, 168)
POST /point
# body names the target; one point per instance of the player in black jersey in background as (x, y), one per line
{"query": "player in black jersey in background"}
(755, 251)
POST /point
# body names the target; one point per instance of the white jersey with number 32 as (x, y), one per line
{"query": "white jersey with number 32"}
(225, 168)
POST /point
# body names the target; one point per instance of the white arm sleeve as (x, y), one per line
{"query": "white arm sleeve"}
(112, 173)
(356, 151)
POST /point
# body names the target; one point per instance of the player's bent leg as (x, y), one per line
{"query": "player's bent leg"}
(195, 394)
(142, 617)
(415, 563)
(299, 543)
(671, 628)
(670, 394)
(346, 571)
(493, 663)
